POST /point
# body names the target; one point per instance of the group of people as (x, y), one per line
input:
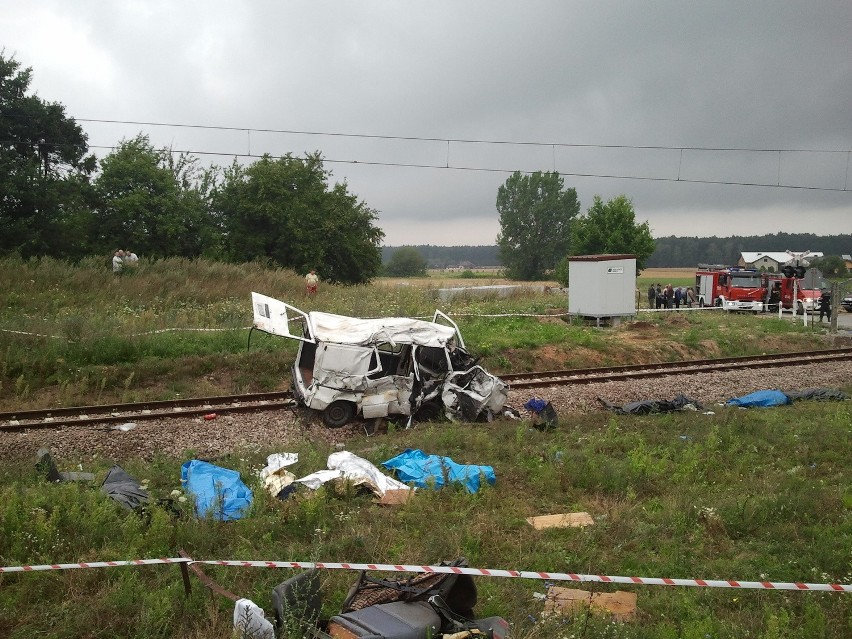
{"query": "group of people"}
(669, 297)
(122, 259)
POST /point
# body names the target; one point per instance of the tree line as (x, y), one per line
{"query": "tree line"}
(57, 199)
(670, 252)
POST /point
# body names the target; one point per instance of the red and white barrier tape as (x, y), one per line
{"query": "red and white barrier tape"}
(96, 564)
(476, 572)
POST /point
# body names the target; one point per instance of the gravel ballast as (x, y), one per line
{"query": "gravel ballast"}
(282, 428)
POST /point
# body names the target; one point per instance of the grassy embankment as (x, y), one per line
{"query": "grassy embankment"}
(79, 335)
(749, 495)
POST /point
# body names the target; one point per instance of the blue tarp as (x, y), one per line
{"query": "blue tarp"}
(760, 399)
(218, 492)
(415, 466)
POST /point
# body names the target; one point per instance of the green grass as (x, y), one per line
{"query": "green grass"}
(741, 494)
(751, 495)
(77, 334)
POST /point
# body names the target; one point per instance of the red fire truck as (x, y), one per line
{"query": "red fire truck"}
(731, 287)
(808, 285)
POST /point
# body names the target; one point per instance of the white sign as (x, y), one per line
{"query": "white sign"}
(615, 270)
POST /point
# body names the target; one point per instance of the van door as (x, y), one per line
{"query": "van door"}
(345, 366)
(274, 316)
(447, 321)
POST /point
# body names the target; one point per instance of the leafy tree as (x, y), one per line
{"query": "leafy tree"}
(44, 169)
(611, 228)
(152, 202)
(282, 210)
(830, 265)
(535, 223)
(406, 262)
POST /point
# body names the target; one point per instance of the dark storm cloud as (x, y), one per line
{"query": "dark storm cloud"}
(757, 75)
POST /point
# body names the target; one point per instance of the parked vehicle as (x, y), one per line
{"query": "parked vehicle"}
(731, 287)
(846, 303)
(347, 366)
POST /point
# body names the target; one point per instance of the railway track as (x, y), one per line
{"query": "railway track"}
(108, 414)
(639, 371)
(123, 413)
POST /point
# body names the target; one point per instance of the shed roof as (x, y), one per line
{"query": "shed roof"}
(600, 258)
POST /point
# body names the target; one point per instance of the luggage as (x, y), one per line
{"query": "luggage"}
(396, 620)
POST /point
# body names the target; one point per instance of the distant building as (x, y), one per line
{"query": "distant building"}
(847, 259)
(770, 260)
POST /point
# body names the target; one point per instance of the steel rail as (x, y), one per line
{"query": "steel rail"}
(661, 369)
(196, 408)
(144, 405)
(251, 402)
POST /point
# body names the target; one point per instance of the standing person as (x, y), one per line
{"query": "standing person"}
(669, 296)
(659, 296)
(130, 258)
(825, 304)
(311, 282)
(690, 297)
(652, 296)
(678, 296)
(117, 262)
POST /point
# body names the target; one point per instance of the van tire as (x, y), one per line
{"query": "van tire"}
(338, 413)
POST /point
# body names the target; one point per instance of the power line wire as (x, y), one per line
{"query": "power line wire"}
(449, 167)
(416, 138)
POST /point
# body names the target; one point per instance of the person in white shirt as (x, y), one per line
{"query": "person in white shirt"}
(311, 282)
(117, 262)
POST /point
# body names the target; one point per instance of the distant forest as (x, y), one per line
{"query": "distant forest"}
(671, 251)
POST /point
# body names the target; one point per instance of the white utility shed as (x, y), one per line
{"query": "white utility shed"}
(602, 286)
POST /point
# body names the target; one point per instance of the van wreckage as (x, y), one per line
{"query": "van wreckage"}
(347, 366)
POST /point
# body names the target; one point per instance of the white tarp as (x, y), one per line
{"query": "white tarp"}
(357, 470)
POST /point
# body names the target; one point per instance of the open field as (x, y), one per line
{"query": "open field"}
(752, 495)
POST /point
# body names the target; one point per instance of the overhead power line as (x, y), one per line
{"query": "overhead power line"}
(480, 169)
(416, 138)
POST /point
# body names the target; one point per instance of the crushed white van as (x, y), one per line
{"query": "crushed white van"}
(348, 366)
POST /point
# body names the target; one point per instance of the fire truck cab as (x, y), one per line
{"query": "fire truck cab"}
(808, 291)
(730, 287)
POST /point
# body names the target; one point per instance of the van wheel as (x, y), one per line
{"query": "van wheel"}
(338, 414)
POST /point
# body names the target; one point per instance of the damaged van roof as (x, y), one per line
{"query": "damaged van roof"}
(340, 329)
(275, 317)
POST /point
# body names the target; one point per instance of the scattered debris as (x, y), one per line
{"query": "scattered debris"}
(124, 427)
(46, 466)
(433, 471)
(275, 476)
(561, 601)
(544, 415)
(250, 621)
(654, 406)
(395, 497)
(818, 394)
(565, 520)
(219, 492)
(124, 489)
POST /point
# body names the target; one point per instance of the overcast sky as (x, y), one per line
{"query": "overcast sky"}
(578, 78)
